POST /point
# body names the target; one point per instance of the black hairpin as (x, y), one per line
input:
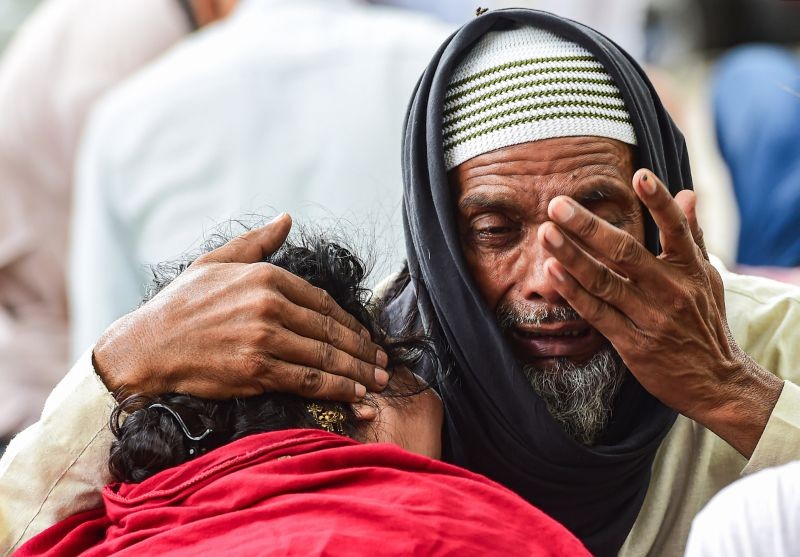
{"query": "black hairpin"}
(194, 448)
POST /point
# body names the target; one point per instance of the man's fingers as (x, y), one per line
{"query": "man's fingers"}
(309, 382)
(254, 245)
(676, 237)
(609, 321)
(597, 279)
(304, 294)
(310, 324)
(604, 240)
(687, 201)
(323, 356)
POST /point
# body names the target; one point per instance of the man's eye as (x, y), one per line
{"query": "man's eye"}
(616, 220)
(489, 231)
(494, 236)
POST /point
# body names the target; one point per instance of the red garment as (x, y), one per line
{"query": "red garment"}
(308, 492)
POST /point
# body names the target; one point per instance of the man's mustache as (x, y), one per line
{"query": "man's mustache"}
(516, 314)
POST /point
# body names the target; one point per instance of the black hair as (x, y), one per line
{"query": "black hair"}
(157, 432)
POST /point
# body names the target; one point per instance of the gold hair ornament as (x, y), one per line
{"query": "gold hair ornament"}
(328, 419)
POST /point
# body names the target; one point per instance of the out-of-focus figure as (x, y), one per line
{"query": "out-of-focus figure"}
(623, 21)
(293, 106)
(66, 55)
(756, 95)
(454, 11)
(758, 516)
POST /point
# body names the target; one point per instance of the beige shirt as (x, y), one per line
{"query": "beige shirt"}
(57, 467)
(66, 55)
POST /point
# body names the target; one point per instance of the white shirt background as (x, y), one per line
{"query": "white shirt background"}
(290, 106)
(758, 516)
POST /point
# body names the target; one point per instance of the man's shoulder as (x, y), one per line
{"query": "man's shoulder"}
(758, 290)
(764, 317)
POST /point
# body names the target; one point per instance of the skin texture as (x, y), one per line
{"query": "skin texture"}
(231, 326)
(545, 247)
(413, 423)
(502, 200)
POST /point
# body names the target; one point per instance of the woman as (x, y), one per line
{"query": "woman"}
(276, 474)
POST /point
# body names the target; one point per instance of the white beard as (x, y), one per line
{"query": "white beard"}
(580, 397)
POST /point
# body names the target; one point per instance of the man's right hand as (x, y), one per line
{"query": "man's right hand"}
(233, 326)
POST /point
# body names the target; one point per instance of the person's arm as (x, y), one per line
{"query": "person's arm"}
(231, 325)
(664, 314)
(764, 316)
(57, 467)
(228, 326)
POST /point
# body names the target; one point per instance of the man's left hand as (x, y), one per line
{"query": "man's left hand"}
(664, 314)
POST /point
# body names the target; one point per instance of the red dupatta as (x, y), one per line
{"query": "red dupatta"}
(308, 492)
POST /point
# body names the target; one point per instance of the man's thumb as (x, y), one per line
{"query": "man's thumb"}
(254, 245)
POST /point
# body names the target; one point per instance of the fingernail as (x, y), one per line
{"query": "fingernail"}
(648, 184)
(382, 359)
(553, 269)
(365, 333)
(562, 210)
(279, 217)
(361, 391)
(554, 236)
(381, 377)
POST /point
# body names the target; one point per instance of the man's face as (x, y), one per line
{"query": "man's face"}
(501, 199)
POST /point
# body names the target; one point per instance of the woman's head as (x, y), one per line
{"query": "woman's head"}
(156, 432)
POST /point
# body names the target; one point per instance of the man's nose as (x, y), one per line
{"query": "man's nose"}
(535, 283)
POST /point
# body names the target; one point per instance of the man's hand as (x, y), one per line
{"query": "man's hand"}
(665, 315)
(231, 325)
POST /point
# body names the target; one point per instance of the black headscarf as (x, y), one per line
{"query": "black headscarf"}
(495, 423)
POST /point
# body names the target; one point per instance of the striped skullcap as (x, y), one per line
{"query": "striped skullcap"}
(524, 85)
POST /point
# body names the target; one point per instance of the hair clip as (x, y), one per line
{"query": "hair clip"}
(330, 420)
(182, 423)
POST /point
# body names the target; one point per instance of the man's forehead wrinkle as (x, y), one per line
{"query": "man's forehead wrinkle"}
(608, 163)
(586, 177)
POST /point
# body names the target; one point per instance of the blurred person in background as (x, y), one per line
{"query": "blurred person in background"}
(264, 110)
(455, 11)
(756, 97)
(622, 21)
(65, 56)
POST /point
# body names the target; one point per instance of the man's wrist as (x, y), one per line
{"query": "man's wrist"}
(743, 405)
(119, 360)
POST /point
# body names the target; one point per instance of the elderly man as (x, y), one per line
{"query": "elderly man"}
(592, 368)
